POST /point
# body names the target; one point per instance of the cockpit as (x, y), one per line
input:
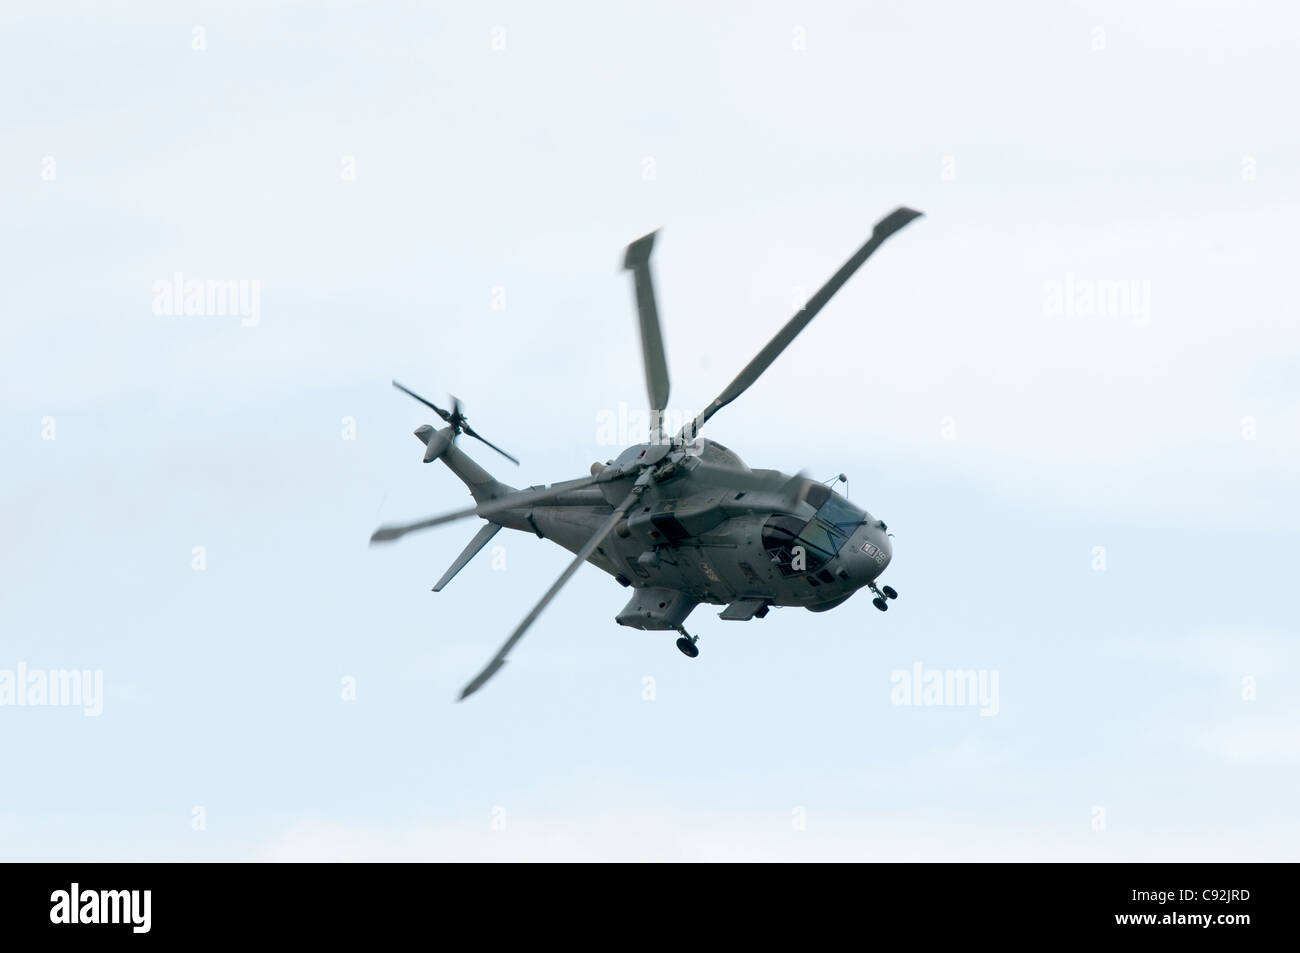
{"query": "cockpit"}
(819, 538)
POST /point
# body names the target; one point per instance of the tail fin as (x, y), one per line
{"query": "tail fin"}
(483, 486)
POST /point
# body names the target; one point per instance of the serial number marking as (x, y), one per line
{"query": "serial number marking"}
(875, 552)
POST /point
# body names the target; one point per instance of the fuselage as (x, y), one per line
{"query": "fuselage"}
(718, 532)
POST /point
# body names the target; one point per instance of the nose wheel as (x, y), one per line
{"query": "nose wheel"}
(882, 594)
(686, 644)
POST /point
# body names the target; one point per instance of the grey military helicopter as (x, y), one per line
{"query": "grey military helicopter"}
(680, 519)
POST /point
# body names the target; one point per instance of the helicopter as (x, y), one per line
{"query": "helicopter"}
(680, 520)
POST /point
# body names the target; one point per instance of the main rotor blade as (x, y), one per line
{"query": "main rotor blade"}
(427, 403)
(387, 534)
(637, 260)
(470, 432)
(605, 529)
(891, 223)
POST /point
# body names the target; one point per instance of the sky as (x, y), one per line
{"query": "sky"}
(1071, 390)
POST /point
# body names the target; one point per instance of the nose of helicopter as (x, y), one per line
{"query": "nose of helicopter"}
(874, 551)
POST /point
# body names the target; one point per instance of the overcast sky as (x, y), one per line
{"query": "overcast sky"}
(1071, 389)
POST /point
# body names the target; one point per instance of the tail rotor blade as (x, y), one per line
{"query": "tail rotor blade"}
(470, 432)
(427, 403)
(891, 223)
(590, 547)
(458, 423)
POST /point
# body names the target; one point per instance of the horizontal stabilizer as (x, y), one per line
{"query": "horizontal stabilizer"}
(486, 532)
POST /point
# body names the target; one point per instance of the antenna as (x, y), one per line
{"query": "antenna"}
(839, 478)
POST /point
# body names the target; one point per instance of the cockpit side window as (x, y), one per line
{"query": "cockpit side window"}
(780, 537)
(820, 538)
(784, 536)
(779, 531)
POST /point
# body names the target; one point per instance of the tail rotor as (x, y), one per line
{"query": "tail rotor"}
(436, 443)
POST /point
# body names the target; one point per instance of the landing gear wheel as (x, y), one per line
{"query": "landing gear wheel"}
(880, 604)
(688, 647)
(889, 592)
